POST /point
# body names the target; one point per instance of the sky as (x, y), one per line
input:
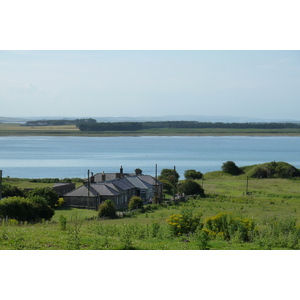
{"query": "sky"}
(128, 83)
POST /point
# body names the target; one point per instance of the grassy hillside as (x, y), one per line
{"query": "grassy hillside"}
(272, 207)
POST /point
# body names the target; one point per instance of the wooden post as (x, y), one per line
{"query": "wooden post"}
(0, 184)
(156, 186)
(88, 187)
(174, 182)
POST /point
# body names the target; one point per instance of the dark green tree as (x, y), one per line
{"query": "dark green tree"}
(192, 174)
(169, 174)
(107, 209)
(22, 209)
(231, 168)
(48, 194)
(191, 187)
(138, 171)
(11, 191)
(168, 187)
(135, 203)
(44, 210)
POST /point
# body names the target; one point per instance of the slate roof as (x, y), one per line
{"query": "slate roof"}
(149, 179)
(81, 192)
(139, 183)
(114, 187)
(122, 184)
(104, 189)
(95, 189)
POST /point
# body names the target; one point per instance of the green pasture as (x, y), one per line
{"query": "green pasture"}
(25, 183)
(272, 201)
(14, 129)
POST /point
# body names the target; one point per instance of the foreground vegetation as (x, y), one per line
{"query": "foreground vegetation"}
(268, 217)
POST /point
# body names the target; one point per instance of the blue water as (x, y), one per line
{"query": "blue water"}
(61, 157)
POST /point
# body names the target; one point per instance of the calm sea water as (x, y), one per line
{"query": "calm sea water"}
(61, 157)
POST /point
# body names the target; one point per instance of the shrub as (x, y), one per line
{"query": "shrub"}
(184, 223)
(11, 191)
(44, 211)
(170, 175)
(50, 195)
(63, 222)
(107, 209)
(190, 187)
(231, 168)
(168, 187)
(192, 174)
(135, 203)
(60, 202)
(274, 170)
(202, 239)
(226, 225)
(22, 209)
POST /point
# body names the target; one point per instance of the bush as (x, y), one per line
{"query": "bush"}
(184, 223)
(60, 202)
(274, 170)
(190, 187)
(168, 187)
(23, 209)
(231, 168)
(192, 174)
(44, 210)
(11, 191)
(48, 194)
(227, 226)
(107, 209)
(63, 223)
(170, 175)
(135, 203)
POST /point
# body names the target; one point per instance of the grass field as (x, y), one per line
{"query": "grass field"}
(12, 129)
(273, 206)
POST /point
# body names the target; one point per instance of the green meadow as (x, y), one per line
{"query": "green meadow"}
(268, 217)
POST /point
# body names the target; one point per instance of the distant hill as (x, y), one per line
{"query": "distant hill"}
(199, 118)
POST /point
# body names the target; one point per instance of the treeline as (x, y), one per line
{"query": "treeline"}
(134, 126)
(76, 122)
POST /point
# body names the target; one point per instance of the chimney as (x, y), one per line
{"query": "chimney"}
(92, 178)
(121, 170)
(103, 176)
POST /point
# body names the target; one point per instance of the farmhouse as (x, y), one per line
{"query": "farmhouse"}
(63, 188)
(118, 187)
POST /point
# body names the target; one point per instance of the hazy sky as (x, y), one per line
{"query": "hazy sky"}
(262, 84)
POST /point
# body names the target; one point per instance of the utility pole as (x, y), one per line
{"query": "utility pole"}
(174, 182)
(0, 184)
(88, 187)
(156, 192)
(247, 185)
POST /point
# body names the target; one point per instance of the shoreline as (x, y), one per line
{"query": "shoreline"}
(155, 134)
(12, 129)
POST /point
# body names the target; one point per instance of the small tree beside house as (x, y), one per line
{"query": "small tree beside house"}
(135, 203)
